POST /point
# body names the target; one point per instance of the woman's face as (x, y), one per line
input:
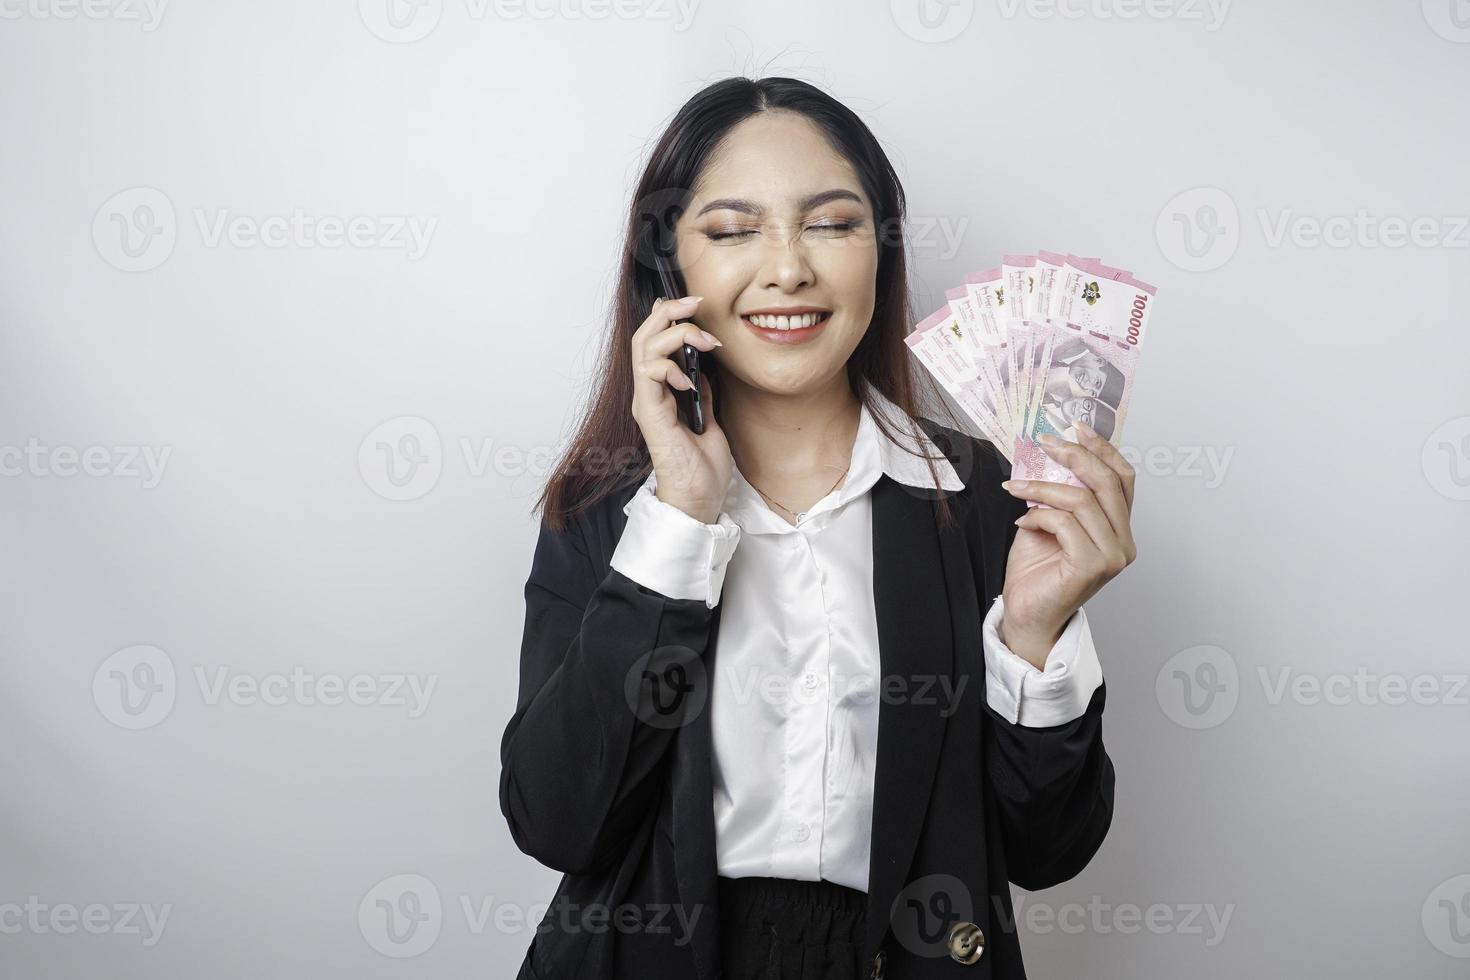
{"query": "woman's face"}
(778, 221)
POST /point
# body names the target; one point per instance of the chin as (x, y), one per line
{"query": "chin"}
(795, 379)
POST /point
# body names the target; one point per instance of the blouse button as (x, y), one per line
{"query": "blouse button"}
(811, 682)
(802, 832)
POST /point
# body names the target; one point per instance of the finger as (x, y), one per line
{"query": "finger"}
(1109, 454)
(1076, 543)
(651, 382)
(1101, 478)
(665, 342)
(1082, 504)
(707, 399)
(650, 379)
(663, 313)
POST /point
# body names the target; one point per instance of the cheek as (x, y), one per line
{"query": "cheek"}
(850, 271)
(718, 274)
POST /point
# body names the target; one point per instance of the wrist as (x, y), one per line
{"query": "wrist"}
(1032, 643)
(701, 511)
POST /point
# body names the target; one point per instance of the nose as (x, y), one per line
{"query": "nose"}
(785, 266)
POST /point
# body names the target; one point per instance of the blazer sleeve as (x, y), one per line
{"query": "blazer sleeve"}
(583, 758)
(1053, 785)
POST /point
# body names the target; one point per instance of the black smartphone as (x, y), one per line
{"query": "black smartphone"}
(691, 406)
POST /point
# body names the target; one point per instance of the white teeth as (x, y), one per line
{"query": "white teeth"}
(786, 322)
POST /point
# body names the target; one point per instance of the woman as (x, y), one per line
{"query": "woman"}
(757, 813)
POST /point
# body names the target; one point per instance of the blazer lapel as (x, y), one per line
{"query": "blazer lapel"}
(916, 649)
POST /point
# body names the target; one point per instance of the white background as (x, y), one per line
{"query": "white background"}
(1327, 383)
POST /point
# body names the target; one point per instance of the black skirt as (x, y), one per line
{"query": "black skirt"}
(782, 929)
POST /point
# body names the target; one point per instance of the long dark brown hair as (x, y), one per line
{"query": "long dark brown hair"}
(608, 451)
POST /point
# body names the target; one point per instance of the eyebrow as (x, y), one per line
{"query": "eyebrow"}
(805, 204)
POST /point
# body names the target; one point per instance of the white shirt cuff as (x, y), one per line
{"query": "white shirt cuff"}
(666, 551)
(1033, 698)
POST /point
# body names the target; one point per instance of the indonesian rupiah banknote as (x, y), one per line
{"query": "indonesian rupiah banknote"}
(1036, 345)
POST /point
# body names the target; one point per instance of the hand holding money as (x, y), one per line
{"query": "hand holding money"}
(1066, 551)
(1040, 353)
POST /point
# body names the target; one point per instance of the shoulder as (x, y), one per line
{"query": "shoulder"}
(593, 531)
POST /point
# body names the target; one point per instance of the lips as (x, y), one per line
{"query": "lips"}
(770, 327)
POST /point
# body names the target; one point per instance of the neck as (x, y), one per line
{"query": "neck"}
(790, 438)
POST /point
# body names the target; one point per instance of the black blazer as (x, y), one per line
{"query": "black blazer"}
(597, 783)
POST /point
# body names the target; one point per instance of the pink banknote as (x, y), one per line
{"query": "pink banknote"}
(1035, 345)
(1086, 372)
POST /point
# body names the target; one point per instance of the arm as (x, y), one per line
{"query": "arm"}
(580, 767)
(1054, 790)
(1051, 777)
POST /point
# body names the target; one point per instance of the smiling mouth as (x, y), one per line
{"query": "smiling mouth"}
(800, 321)
(794, 329)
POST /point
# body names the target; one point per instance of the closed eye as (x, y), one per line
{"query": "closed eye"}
(835, 226)
(832, 226)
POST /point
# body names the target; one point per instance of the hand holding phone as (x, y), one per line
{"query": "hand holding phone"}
(693, 471)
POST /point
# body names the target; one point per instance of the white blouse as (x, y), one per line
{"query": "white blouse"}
(794, 698)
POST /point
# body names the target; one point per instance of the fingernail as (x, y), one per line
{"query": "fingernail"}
(712, 338)
(1083, 427)
(1014, 484)
(691, 299)
(1050, 440)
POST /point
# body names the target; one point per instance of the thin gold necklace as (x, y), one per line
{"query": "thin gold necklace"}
(802, 514)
